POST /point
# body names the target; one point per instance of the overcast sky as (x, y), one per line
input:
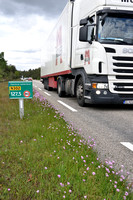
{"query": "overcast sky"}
(24, 26)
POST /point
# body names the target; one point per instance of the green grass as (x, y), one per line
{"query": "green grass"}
(44, 158)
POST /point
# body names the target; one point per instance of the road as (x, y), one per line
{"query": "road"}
(111, 127)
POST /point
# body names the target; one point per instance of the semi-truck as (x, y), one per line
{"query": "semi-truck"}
(89, 53)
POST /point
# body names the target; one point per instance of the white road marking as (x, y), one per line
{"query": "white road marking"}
(128, 145)
(39, 88)
(67, 106)
(47, 94)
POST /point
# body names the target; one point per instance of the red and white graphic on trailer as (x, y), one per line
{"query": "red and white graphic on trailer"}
(26, 93)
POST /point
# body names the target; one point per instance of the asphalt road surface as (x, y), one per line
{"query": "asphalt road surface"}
(111, 126)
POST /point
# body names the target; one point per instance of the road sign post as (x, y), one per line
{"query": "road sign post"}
(20, 90)
(21, 108)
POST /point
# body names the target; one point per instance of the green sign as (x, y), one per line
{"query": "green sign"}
(20, 89)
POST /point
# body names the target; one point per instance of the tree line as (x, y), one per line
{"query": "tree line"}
(9, 72)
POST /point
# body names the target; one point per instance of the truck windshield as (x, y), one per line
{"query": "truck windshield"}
(115, 29)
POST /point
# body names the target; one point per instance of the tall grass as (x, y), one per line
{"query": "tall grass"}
(42, 157)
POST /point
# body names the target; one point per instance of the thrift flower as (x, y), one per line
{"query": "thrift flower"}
(126, 193)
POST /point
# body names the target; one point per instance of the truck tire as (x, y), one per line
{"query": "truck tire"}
(60, 87)
(80, 92)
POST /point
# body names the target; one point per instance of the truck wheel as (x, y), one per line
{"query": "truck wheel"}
(60, 91)
(80, 92)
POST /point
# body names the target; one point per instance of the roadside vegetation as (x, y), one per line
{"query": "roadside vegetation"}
(9, 72)
(42, 157)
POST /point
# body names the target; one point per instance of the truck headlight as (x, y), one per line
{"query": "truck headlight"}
(100, 85)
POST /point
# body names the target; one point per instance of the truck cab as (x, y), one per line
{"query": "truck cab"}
(105, 47)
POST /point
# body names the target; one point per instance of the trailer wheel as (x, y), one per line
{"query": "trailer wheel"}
(80, 92)
(60, 87)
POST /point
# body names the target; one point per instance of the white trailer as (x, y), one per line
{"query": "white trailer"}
(89, 53)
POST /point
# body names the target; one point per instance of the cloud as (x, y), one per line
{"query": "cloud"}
(24, 27)
(48, 8)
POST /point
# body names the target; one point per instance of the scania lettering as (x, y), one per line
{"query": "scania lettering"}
(89, 53)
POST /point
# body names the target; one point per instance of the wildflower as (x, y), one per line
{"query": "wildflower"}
(70, 191)
(64, 196)
(45, 168)
(126, 193)
(68, 183)
(59, 175)
(117, 190)
(37, 191)
(83, 180)
(85, 197)
(115, 186)
(34, 139)
(61, 184)
(9, 189)
(87, 168)
(93, 173)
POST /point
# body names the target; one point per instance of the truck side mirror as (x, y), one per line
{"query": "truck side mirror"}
(83, 22)
(83, 33)
(86, 33)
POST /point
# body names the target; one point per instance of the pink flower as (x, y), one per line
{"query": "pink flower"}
(59, 175)
(37, 191)
(126, 193)
(93, 173)
(70, 191)
(61, 184)
(117, 190)
(85, 197)
(9, 189)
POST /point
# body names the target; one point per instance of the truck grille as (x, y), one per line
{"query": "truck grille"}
(122, 68)
(123, 65)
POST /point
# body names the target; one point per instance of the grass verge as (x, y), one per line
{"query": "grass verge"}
(44, 158)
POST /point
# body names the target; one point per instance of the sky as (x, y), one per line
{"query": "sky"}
(24, 27)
